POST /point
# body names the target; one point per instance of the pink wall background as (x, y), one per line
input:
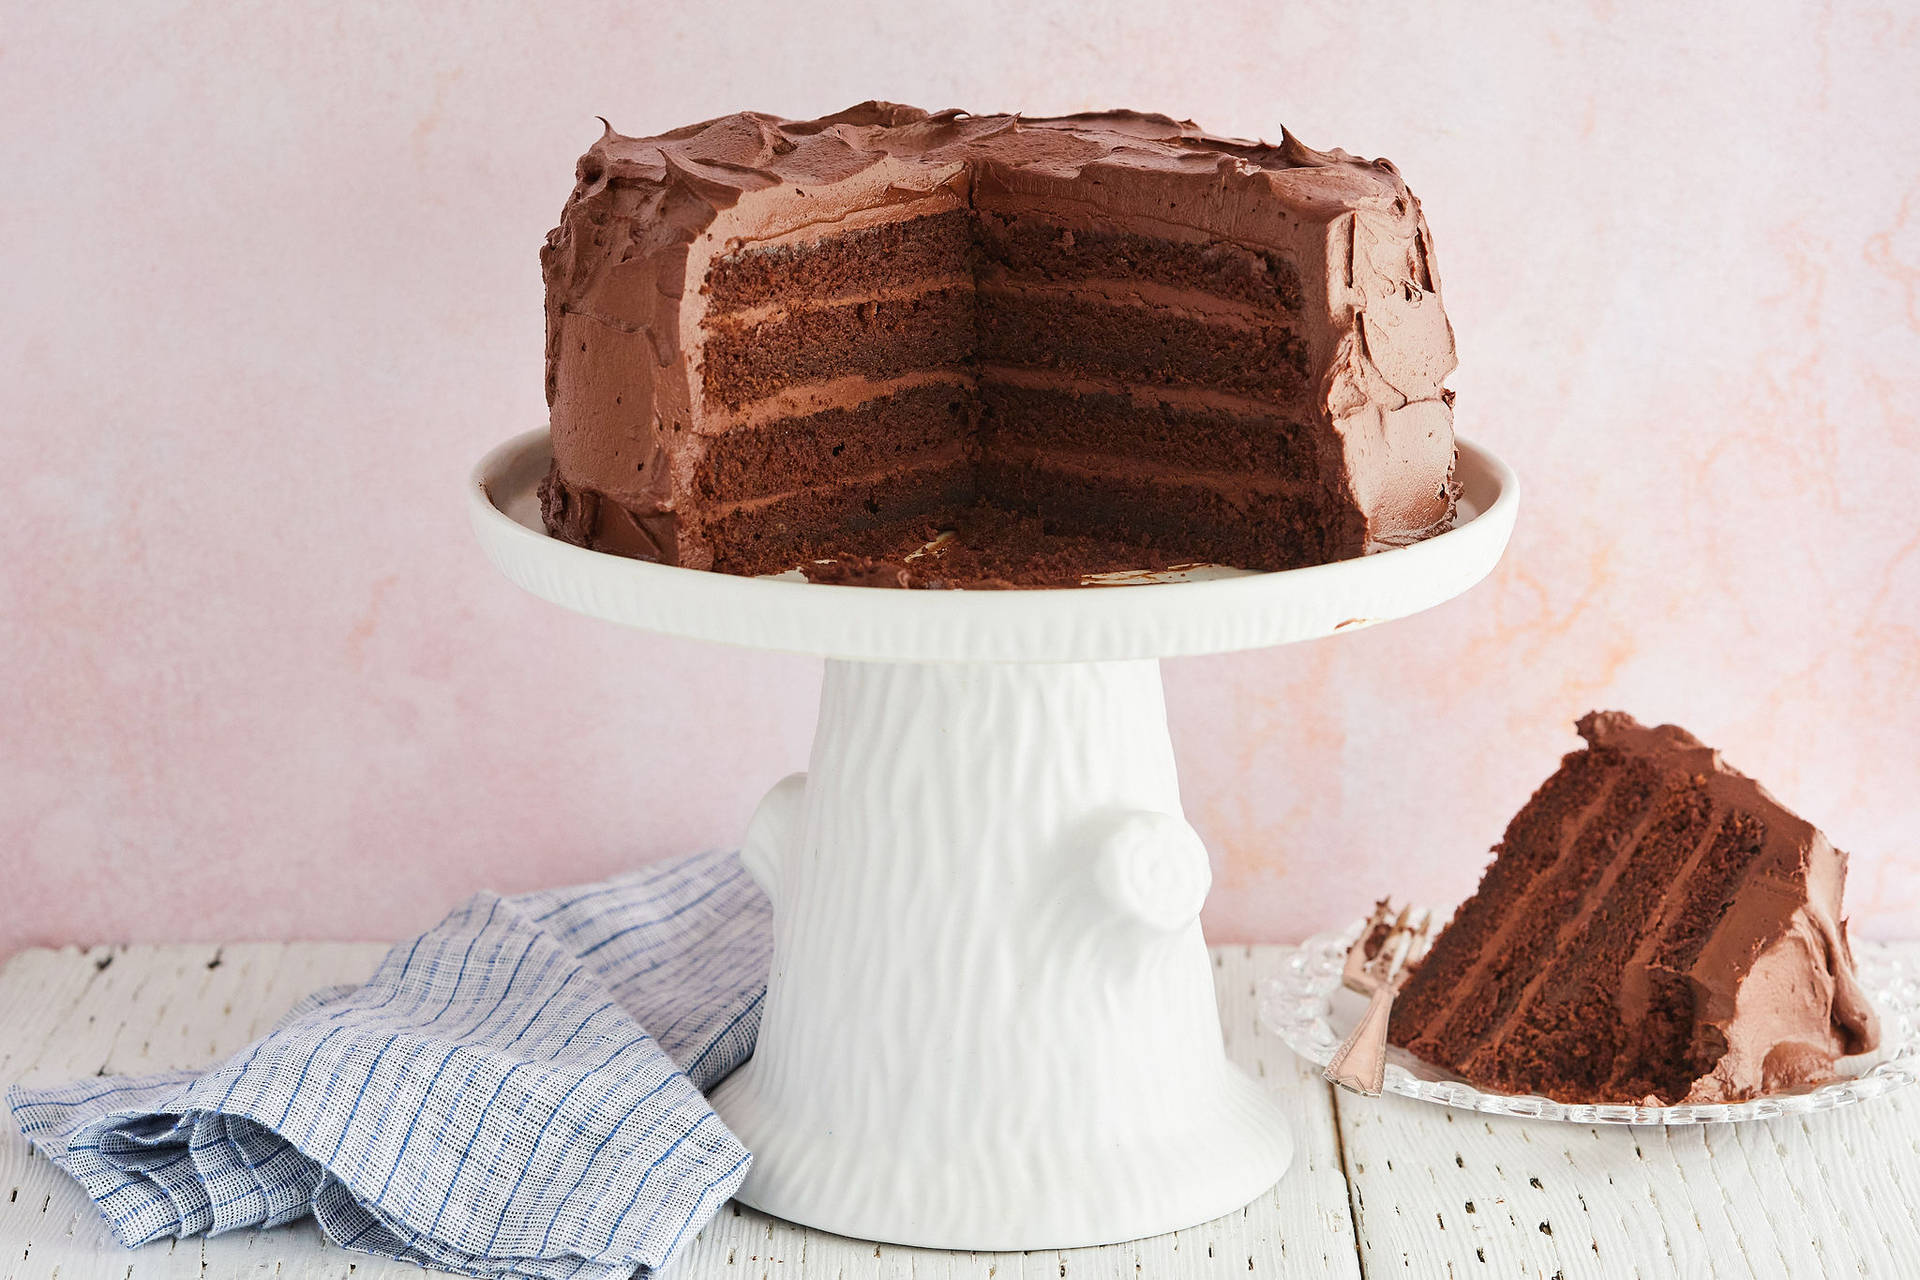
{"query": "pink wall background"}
(271, 289)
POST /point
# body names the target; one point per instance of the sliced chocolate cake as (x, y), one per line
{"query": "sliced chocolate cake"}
(771, 340)
(1654, 926)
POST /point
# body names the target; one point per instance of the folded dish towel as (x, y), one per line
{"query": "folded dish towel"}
(516, 1092)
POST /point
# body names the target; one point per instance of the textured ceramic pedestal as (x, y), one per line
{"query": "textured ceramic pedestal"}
(991, 1019)
(988, 945)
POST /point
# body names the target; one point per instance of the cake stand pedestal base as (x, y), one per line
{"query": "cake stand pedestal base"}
(991, 1019)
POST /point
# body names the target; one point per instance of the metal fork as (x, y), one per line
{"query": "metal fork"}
(1376, 965)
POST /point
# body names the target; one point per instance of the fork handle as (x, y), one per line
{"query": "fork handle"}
(1360, 1063)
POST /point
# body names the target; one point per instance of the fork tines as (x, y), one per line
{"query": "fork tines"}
(1388, 943)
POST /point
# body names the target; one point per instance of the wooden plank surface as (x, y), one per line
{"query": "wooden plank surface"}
(67, 1014)
(1444, 1192)
(1432, 1192)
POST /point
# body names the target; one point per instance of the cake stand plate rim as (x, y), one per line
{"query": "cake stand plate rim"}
(1074, 624)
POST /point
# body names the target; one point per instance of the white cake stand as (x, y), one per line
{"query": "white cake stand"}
(991, 1020)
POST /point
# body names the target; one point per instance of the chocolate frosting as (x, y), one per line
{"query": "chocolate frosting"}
(624, 269)
(1777, 978)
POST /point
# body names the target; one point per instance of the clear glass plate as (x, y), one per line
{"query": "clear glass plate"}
(1308, 1008)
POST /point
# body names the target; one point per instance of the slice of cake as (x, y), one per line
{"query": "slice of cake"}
(1653, 926)
(772, 340)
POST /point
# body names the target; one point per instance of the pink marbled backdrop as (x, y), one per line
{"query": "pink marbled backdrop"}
(270, 288)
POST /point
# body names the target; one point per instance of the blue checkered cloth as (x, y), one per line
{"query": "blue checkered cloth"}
(515, 1093)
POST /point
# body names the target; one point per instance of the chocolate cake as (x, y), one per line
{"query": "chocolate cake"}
(1654, 926)
(771, 341)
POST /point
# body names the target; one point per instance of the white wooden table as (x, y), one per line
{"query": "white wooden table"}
(1387, 1187)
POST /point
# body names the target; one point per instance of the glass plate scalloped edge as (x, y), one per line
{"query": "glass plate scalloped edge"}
(1297, 1006)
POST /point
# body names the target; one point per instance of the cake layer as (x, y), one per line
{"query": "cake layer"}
(934, 245)
(1084, 418)
(1038, 248)
(995, 248)
(879, 434)
(776, 533)
(759, 350)
(1253, 528)
(877, 339)
(1140, 344)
